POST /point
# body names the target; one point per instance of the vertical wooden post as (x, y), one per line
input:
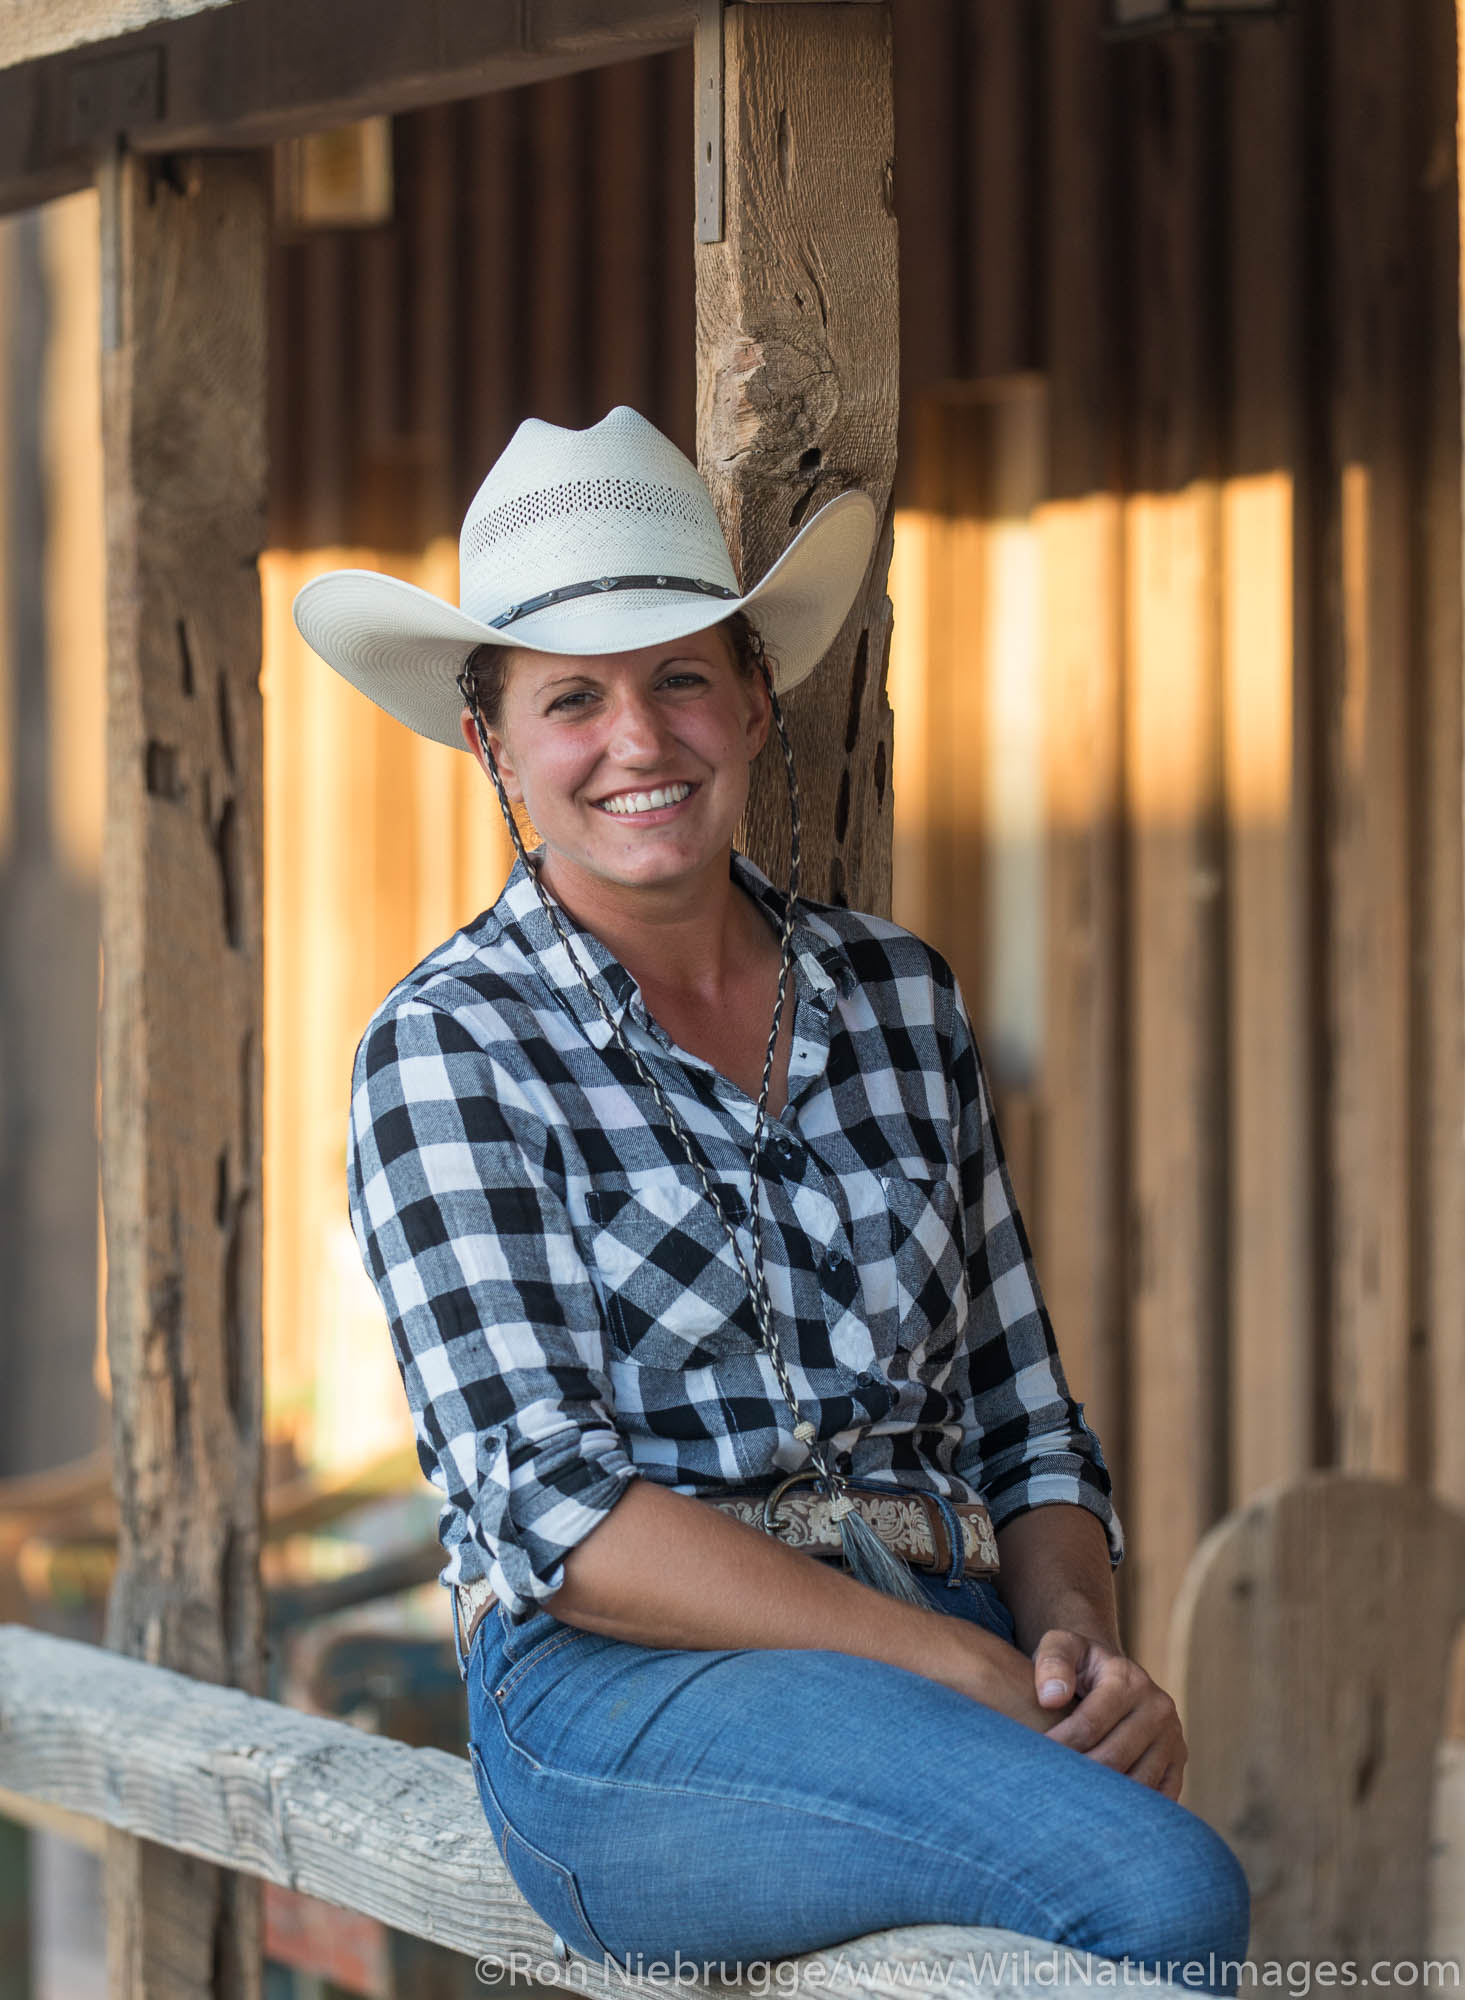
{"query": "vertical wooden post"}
(184, 248)
(797, 391)
(1366, 663)
(1267, 733)
(1446, 1132)
(1082, 1154)
(1173, 766)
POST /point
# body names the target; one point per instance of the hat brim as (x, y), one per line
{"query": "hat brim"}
(404, 648)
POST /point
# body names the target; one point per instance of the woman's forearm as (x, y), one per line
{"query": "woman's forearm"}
(1056, 1575)
(662, 1569)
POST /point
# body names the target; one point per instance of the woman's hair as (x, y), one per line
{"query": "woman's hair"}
(488, 666)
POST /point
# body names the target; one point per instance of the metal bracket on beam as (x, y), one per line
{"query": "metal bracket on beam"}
(707, 119)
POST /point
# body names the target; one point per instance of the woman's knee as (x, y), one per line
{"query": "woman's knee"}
(1185, 1900)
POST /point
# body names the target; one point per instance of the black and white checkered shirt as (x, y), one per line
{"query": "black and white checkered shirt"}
(565, 1307)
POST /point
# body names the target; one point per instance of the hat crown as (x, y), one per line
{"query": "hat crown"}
(563, 507)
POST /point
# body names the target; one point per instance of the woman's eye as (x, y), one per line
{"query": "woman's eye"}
(577, 696)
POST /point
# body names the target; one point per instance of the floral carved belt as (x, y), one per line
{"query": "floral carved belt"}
(918, 1526)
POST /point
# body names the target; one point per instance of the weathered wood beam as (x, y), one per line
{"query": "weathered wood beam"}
(376, 1826)
(315, 1805)
(251, 72)
(183, 404)
(797, 392)
(33, 28)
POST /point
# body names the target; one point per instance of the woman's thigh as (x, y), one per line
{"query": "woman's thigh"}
(750, 1804)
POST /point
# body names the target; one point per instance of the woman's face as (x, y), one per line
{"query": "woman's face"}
(589, 745)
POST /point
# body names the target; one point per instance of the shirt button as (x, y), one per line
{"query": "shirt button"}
(834, 1261)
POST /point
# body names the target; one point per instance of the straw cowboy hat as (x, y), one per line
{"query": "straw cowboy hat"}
(594, 541)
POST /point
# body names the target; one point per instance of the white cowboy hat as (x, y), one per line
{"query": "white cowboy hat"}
(594, 541)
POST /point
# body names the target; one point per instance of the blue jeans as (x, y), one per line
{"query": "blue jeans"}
(753, 1804)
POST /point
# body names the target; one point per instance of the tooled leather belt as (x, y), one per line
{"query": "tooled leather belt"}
(915, 1525)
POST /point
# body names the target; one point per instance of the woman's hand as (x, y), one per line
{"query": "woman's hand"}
(1120, 1717)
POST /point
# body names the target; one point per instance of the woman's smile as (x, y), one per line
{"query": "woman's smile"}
(651, 807)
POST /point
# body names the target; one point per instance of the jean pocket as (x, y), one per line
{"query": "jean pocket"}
(547, 1885)
(527, 1697)
(988, 1608)
(551, 1891)
(493, 1812)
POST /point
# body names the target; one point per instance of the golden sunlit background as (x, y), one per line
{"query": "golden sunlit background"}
(1176, 679)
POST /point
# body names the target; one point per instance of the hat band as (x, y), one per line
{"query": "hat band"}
(605, 583)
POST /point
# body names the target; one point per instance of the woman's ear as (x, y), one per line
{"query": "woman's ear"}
(500, 757)
(760, 714)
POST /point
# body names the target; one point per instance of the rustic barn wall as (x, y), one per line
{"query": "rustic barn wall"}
(539, 263)
(1240, 1145)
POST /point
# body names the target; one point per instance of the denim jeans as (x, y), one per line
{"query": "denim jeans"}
(749, 1805)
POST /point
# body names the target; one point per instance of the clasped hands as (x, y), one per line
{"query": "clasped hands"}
(1116, 1714)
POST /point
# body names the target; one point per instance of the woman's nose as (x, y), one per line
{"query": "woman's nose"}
(638, 731)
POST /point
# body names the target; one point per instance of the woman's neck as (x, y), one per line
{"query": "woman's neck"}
(697, 937)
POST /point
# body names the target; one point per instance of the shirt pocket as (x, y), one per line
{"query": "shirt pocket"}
(674, 1297)
(927, 1263)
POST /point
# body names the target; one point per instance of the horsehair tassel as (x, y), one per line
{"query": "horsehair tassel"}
(867, 1558)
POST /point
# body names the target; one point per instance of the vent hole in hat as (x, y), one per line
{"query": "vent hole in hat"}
(578, 497)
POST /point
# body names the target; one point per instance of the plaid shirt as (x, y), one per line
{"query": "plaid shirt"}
(564, 1304)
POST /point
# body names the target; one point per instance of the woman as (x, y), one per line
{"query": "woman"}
(683, 1197)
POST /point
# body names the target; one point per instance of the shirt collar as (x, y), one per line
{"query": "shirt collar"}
(818, 952)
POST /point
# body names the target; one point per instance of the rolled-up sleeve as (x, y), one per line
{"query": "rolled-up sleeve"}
(497, 1329)
(1026, 1441)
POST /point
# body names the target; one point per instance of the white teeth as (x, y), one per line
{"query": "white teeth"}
(626, 803)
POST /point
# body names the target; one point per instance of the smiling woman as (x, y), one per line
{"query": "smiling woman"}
(684, 1202)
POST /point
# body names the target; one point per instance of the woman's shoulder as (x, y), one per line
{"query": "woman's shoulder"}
(475, 986)
(878, 946)
(877, 950)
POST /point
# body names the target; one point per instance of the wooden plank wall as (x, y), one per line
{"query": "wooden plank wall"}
(1238, 283)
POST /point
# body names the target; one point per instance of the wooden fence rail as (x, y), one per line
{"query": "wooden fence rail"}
(372, 1825)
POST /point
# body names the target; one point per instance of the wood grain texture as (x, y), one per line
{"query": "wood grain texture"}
(33, 28)
(1173, 768)
(1312, 1728)
(184, 427)
(237, 75)
(797, 387)
(1441, 1068)
(373, 1825)
(1267, 778)
(1080, 527)
(1364, 695)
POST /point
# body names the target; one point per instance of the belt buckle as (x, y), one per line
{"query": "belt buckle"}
(770, 1504)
